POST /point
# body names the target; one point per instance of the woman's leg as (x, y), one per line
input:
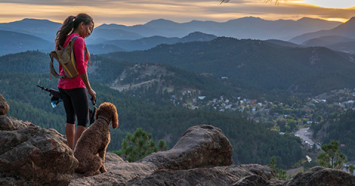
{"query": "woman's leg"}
(79, 130)
(69, 110)
(81, 107)
(69, 134)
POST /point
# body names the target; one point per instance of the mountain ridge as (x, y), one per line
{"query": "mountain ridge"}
(149, 42)
(41, 28)
(14, 42)
(279, 29)
(345, 29)
(254, 63)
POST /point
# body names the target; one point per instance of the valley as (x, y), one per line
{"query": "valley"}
(282, 116)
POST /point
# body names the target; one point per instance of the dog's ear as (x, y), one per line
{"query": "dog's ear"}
(115, 121)
(103, 108)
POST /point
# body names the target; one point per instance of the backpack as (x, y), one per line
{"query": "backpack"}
(65, 57)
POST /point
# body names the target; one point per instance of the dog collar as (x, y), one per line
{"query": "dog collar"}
(104, 118)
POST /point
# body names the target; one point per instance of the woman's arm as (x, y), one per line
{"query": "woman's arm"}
(79, 50)
(84, 77)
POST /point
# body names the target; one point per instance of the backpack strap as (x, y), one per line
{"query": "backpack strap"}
(73, 39)
(86, 49)
(52, 55)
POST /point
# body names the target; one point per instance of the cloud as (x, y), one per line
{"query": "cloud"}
(131, 12)
(59, 2)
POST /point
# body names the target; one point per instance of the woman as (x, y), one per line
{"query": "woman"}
(73, 90)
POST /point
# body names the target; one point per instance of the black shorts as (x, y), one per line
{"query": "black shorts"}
(76, 104)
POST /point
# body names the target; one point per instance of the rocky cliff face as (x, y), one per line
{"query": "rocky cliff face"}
(30, 155)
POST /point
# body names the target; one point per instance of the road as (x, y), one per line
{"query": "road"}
(305, 134)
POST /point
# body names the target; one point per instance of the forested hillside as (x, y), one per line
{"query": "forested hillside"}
(150, 82)
(340, 128)
(252, 142)
(255, 64)
(25, 62)
(156, 82)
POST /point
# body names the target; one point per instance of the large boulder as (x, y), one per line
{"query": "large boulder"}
(220, 175)
(4, 107)
(120, 172)
(200, 157)
(200, 146)
(321, 176)
(33, 155)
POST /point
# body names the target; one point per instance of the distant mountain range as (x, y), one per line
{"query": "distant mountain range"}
(19, 42)
(247, 27)
(14, 42)
(113, 37)
(44, 29)
(146, 43)
(346, 30)
(340, 38)
(339, 43)
(242, 28)
(327, 40)
(256, 65)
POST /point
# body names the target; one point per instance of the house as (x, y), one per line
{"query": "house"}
(201, 97)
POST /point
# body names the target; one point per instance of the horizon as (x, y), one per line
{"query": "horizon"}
(29, 18)
(142, 11)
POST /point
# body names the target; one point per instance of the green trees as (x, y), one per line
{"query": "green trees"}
(331, 157)
(138, 145)
(281, 174)
(340, 128)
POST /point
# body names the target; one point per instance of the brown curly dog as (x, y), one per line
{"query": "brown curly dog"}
(4, 107)
(91, 147)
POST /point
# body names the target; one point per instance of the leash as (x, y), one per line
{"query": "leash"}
(92, 112)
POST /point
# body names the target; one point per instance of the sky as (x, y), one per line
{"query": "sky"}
(132, 12)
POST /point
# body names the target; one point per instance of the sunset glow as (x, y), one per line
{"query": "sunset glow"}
(141, 11)
(332, 3)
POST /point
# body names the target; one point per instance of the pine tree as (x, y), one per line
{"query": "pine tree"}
(281, 174)
(138, 145)
(331, 157)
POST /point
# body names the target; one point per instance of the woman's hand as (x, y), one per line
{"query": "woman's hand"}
(85, 79)
(92, 94)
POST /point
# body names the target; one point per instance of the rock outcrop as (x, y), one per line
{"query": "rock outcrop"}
(321, 176)
(30, 155)
(200, 146)
(203, 155)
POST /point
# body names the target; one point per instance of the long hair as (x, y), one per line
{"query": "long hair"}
(69, 25)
